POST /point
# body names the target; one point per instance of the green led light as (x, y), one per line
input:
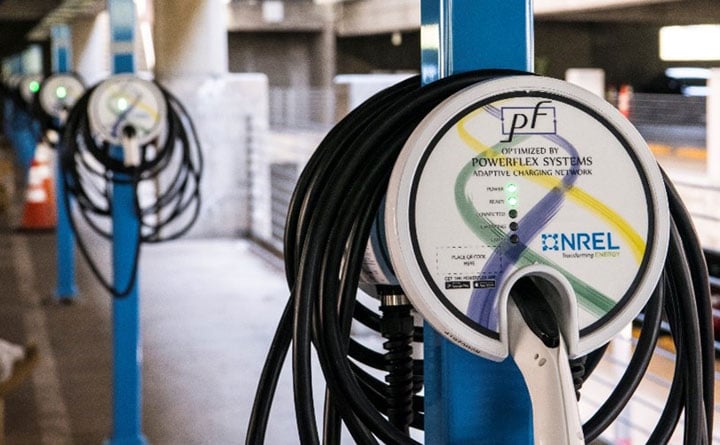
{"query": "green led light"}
(34, 86)
(511, 188)
(122, 104)
(512, 201)
(61, 92)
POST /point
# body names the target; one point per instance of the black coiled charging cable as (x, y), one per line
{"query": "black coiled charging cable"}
(169, 170)
(329, 221)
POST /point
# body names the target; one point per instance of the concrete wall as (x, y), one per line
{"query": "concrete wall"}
(297, 51)
(231, 116)
(286, 58)
(378, 17)
(297, 16)
(629, 53)
(559, 46)
(376, 53)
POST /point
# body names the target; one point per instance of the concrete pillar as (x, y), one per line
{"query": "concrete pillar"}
(326, 64)
(32, 60)
(91, 47)
(713, 126)
(190, 38)
(229, 111)
(326, 51)
(592, 79)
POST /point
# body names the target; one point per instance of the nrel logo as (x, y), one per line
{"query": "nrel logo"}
(539, 119)
(578, 241)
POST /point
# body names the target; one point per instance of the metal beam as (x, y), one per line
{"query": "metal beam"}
(683, 12)
(564, 6)
(63, 13)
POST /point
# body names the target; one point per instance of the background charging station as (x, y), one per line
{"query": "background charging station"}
(130, 166)
(24, 130)
(58, 94)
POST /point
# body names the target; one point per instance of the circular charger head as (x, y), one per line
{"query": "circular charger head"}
(124, 101)
(518, 174)
(29, 86)
(59, 93)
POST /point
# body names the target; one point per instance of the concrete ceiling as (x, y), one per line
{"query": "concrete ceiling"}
(18, 17)
(660, 12)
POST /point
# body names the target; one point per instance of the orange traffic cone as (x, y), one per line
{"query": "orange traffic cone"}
(624, 99)
(40, 212)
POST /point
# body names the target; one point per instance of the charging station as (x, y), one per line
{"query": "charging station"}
(131, 165)
(24, 132)
(533, 178)
(57, 96)
(523, 218)
(526, 171)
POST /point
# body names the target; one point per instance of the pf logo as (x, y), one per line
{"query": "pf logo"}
(539, 119)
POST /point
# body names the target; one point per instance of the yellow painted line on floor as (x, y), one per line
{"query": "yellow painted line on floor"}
(696, 153)
(660, 149)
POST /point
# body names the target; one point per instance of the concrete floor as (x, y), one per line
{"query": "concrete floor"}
(209, 310)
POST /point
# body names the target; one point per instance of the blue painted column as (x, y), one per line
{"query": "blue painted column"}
(9, 105)
(65, 289)
(25, 131)
(24, 137)
(127, 345)
(468, 399)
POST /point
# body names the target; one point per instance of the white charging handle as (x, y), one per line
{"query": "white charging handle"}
(560, 296)
(556, 419)
(131, 149)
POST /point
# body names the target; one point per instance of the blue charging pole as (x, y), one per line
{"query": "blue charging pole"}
(24, 137)
(26, 126)
(66, 289)
(15, 68)
(127, 349)
(468, 399)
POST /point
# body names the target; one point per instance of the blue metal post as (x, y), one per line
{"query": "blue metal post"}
(24, 137)
(66, 289)
(127, 349)
(25, 131)
(9, 105)
(470, 400)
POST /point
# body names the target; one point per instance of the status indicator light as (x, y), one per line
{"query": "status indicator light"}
(511, 190)
(34, 86)
(513, 213)
(61, 92)
(122, 104)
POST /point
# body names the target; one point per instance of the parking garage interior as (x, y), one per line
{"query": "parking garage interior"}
(263, 83)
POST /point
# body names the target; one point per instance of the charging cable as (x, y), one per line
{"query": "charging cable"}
(165, 174)
(330, 218)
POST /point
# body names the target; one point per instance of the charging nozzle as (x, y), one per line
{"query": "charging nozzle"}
(540, 352)
(131, 148)
(547, 374)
